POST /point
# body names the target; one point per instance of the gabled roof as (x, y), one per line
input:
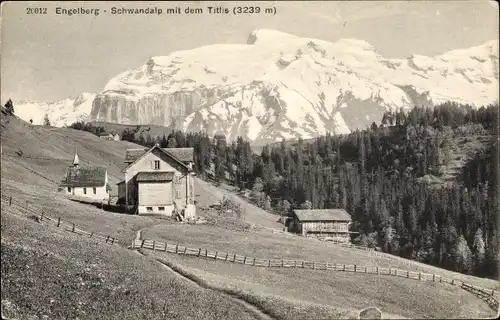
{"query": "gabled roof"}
(132, 156)
(154, 176)
(322, 215)
(184, 155)
(84, 177)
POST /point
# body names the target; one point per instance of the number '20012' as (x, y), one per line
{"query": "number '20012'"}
(36, 10)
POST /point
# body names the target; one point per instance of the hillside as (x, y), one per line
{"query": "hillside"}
(283, 293)
(278, 85)
(46, 152)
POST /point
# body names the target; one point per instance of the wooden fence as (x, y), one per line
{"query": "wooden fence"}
(41, 216)
(480, 293)
(315, 265)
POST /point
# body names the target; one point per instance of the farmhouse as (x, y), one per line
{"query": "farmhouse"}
(89, 182)
(110, 136)
(159, 180)
(324, 223)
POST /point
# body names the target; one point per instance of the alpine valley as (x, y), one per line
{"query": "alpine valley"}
(280, 86)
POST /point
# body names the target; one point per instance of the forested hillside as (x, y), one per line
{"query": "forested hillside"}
(382, 176)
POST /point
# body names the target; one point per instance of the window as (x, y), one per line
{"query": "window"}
(177, 179)
(149, 209)
(95, 190)
(84, 190)
(161, 208)
(157, 164)
(178, 194)
(69, 189)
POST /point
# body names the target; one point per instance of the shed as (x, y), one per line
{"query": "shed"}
(322, 223)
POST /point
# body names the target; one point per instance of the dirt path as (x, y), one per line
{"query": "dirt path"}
(194, 281)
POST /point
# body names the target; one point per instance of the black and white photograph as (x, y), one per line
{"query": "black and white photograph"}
(277, 160)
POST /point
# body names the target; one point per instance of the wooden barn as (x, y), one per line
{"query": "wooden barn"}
(158, 180)
(321, 223)
(91, 182)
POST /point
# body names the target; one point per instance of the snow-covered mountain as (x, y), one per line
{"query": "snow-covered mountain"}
(283, 86)
(60, 113)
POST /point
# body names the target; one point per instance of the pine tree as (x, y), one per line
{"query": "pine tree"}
(479, 251)
(46, 120)
(463, 256)
(9, 106)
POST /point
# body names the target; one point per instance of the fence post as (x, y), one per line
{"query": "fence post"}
(234, 257)
(58, 221)
(390, 272)
(420, 276)
(91, 234)
(133, 244)
(433, 277)
(314, 264)
(73, 229)
(142, 243)
(215, 258)
(112, 240)
(269, 262)
(408, 274)
(343, 268)
(355, 268)
(154, 247)
(227, 254)
(176, 248)
(10, 201)
(282, 263)
(41, 217)
(452, 281)
(245, 260)
(377, 270)
(199, 252)
(185, 250)
(253, 261)
(107, 239)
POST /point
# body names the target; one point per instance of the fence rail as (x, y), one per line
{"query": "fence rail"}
(483, 293)
(58, 222)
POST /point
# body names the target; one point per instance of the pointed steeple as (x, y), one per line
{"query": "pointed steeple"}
(76, 161)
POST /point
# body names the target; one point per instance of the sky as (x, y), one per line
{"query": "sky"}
(49, 57)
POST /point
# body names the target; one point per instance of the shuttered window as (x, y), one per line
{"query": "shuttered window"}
(95, 190)
(178, 194)
(84, 190)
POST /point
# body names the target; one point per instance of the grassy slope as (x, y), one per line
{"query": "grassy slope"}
(54, 149)
(48, 271)
(340, 294)
(34, 180)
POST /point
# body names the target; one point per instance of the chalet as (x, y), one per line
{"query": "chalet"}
(159, 180)
(110, 136)
(91, 182)
(321, 223)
